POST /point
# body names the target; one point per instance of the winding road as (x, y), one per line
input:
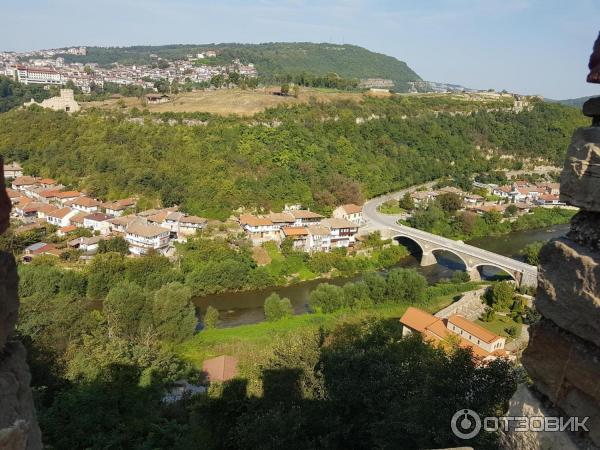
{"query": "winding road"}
(473, 257)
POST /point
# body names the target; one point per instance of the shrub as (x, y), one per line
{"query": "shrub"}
(327, 298)
(277, 308)
(211, 318)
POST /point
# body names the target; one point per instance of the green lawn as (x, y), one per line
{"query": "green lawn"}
(499, 324)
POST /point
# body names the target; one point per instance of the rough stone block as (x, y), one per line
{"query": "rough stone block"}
(569, 288)
(566, 369)
(9, 300)
(16, 401)
(585, 229)
(580, 178)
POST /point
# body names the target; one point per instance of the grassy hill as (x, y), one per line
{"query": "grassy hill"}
(271, 59)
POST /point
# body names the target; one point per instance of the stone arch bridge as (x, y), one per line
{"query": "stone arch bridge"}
(472, 257)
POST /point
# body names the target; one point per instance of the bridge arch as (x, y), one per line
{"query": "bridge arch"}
(501, 272)
(453, 265)
(412, 245)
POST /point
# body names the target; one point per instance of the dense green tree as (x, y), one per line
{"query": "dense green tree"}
(173, 314)
(449, 202)
(501, 295)
(406, 202)
(126, 309)
(104, 272)
(406, 285)
(115, 244)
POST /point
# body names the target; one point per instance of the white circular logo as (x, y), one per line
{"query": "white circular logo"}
(464, 420)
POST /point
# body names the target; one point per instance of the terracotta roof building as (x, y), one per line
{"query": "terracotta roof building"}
(221, 368)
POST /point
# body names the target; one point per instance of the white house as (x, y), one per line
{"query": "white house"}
(145, 237)
(118, 208)
(85, 204)
(97, 222)
(319, 239)
(61, 217)
(475, 334)
(456, 329)
(24, 183)
(298, 235)
(189, 225)
(13, 170)
(86, 244)
(305, 217)
(342, 233)
(350, 212)
(259, 229)
(119, 224)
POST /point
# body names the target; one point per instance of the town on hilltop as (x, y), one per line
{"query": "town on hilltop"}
(48, 67)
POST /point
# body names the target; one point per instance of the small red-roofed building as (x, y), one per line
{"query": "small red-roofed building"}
(219, 369)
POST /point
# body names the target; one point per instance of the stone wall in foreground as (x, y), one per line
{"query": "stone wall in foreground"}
(563, 355)
(19, 429)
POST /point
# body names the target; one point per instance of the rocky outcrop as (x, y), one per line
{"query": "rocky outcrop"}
(525, 404)
(585, 230)
(563, 355)
(569, 288)
(580, 177)
(19, 429)
(17, 412)
(566, 369)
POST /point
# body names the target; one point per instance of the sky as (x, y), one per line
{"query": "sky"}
(525, 46)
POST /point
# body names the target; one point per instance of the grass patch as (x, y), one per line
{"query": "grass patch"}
(390, 207)
(282, 266)
(499, 325)
(252, 343)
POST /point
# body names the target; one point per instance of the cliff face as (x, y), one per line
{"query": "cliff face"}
(18, 425)
(563, 356)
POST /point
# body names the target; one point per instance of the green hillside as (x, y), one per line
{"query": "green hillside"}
(272, 60)
(309, 158)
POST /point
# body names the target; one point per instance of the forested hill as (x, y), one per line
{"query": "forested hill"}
(272, 60)
(317, 154)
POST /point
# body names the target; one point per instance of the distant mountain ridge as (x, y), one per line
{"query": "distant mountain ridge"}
(272, 60)
(575, 102)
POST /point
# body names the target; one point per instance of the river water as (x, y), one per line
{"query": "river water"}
(238, 308)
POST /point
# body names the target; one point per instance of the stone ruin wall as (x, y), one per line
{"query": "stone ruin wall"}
(563, 355)
(19, 429)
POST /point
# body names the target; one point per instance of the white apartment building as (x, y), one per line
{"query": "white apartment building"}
(143, 237)
(37, 75)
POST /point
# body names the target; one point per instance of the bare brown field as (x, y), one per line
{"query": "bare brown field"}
(227, 101)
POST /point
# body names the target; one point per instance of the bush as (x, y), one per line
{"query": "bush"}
(277, 308)
(211, 318)
(327, 298)
(460, 277)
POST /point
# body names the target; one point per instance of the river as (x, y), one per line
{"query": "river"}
(238, 308)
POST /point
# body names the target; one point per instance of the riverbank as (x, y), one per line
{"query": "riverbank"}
(253, 342)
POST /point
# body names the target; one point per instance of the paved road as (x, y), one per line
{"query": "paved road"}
(378, 221)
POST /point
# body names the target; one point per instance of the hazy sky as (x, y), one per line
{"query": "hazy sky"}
(526, 46)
